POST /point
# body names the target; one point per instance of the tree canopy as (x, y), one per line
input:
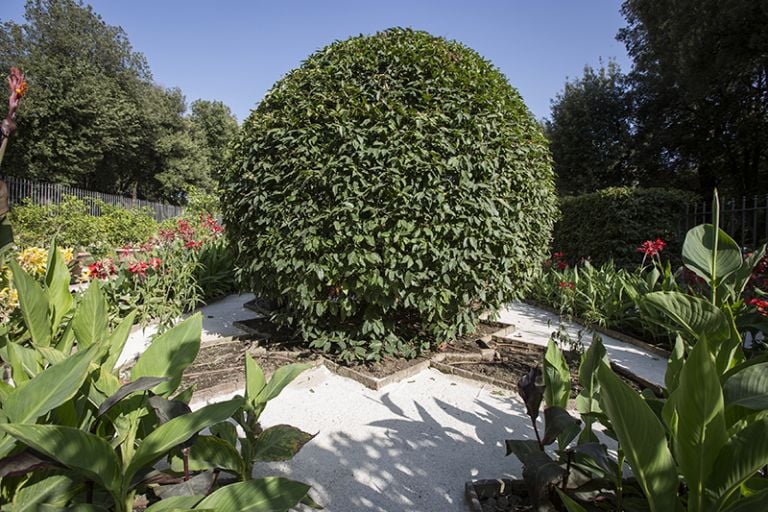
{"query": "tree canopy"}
(93, 116)
(590, 132)
(691, 113)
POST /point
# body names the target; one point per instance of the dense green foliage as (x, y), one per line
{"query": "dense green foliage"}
(610, 224)
(93, 117)
(388, 192)
(72, 224)
(589, 132)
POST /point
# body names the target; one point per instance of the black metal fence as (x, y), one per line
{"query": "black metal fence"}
(745, 218)
(20, 189)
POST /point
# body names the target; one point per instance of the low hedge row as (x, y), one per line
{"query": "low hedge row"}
(610, 224)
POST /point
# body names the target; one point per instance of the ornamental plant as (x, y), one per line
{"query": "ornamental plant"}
(387, 193)
(75, 436)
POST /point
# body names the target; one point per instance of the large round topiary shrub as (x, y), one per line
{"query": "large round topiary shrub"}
(388, 192)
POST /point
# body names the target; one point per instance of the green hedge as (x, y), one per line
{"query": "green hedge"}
(73, 225)
(611, 224)
(388, 192)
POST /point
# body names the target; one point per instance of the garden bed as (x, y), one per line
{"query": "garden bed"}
(503, 495)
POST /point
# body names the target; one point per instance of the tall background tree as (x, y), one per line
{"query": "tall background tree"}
(700, 87)
(94, 118)
(590, 132)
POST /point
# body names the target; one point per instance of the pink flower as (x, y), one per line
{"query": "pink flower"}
(567, 284)
(192, 244)
(101, 269)
(154, 263)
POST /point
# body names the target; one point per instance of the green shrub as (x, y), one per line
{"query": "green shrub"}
(611, 223)
(387, 192)
(73, 225)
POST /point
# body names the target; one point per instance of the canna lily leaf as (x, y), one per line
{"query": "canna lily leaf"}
(177, 431)
(33, 302)
(748, 387)
(531, 392)
(700, 257)
(557, 377)
(280, 442)
(262, 495)
(281, 378)
(643, 438)
(85, 453)
(91, 320)
(170, 353)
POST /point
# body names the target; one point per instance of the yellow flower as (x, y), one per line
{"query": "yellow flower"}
(9, 298)
(67, 253)
(33, 260)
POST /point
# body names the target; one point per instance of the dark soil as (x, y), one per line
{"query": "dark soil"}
(273, 347)
(515, 359)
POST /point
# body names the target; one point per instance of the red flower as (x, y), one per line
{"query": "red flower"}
(154, 263)
(567, 284)
(101, 269)
(561, 265)
(185, 230)
(167, 235)
(558, 256)
(652, 247)
(138, 268)
(760, 304)
(193, 244)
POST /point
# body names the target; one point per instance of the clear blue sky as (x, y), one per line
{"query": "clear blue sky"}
(234, 51)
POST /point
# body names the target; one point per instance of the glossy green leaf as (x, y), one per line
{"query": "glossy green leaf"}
(699, 256)
(700, 423)
(90, 320)
(52, 387)
(281, 378)
(254, 378)
(177, 431)
(210, 452)
(175, 503)
(738, 460)
(33, 302)
(170, 353)
(280, 442)
(570, 504)
(271, 494)
(674, 365)
(57, 278)
(117, 339)
(557, 377)
(693, 316)
(85, 453)
(748, 387)
(643, 439)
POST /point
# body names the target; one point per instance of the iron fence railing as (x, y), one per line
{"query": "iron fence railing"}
(745, 218)
(39, 192)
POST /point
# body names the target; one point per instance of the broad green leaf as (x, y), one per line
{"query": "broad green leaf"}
(699, 255)
(674, 365)
(570, 504)
(170, 353)
(90, 320)
(560, 426)
(85, 453)
(175, 503)
(693, 316)
(748, 387)
(52, 490)
(49, 389)
(57, 280)
(753, 503)
(557, 377)
(140, 384)
(739, 459)
(116, 340)
(281, 378)
(700, 423)
(271, 494)
(280, 442)
(210, 452)
(25, 362)
(33, 302)
(643, 439)
(177, 431)
(254, 378)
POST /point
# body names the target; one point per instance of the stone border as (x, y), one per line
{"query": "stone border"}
(475, 489)
(608, 332)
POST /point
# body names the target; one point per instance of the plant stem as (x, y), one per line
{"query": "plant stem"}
(538, 437)
(185, 456)
(620, 481)
(567, 469)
